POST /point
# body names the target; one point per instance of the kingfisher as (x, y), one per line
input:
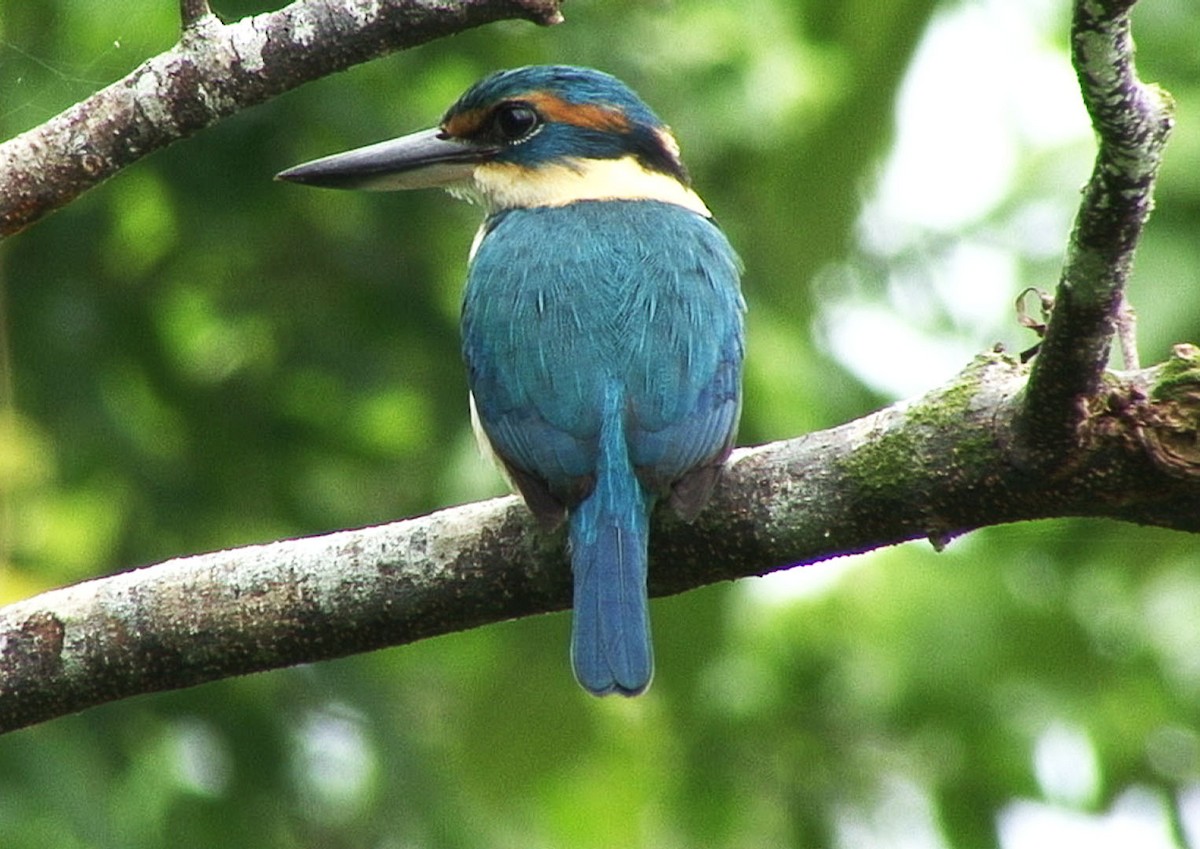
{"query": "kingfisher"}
(602, 323)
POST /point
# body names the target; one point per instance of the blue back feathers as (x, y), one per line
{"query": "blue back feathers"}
(564, 301)
(604, 347)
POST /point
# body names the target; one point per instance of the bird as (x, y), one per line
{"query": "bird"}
(602, 324)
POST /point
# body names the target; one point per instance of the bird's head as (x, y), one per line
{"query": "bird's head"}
(543, 135)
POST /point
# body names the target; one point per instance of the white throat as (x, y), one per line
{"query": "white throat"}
(507, 186)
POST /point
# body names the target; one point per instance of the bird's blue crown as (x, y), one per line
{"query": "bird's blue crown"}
(543, 114)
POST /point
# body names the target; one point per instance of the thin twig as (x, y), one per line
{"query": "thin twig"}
(1127, 335)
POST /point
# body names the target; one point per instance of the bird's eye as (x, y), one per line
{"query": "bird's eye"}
(515, 121)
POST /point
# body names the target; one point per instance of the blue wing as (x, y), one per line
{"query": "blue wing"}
(562, 302)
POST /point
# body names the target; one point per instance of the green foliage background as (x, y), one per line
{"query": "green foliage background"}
(195, 357)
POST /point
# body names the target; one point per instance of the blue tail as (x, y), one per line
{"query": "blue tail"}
(609, 532)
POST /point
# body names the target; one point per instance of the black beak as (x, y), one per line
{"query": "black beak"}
(427, 159)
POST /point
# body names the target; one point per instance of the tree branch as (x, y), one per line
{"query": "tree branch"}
(1132, 122)
(932, 468)
(214, 71)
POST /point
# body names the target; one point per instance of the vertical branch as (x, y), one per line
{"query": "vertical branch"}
(1132, 121)
(192, 11)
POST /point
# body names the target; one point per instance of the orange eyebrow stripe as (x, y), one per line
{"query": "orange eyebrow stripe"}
(592, 116)
(589, 115)
(466, 124)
